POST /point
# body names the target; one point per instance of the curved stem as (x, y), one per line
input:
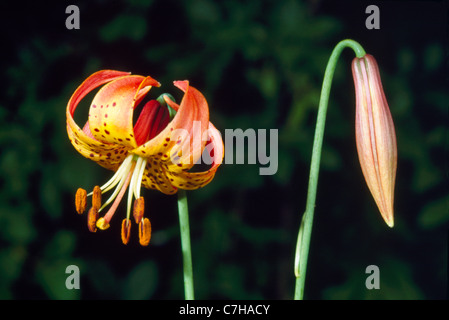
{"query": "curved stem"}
(305, 231)
(185, 244)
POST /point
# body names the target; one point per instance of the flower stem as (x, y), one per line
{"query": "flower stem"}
(305, 230)
(185, 244)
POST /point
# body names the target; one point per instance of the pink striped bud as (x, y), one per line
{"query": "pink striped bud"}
(375, 135)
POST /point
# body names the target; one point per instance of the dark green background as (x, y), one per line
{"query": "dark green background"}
(260, 65)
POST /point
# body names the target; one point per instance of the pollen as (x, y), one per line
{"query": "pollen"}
(80, 200)
(144, 232)
(138, 209)
(92, 218)
(126, 230)
(96, 198)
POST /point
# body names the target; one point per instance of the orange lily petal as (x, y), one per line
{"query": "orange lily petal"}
(108, 156)
(192, 119)
(111, 111)
(193, 180)
(155, 177)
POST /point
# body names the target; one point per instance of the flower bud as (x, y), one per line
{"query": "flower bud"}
(375, 135)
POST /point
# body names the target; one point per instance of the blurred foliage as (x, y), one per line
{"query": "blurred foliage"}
(260, 64)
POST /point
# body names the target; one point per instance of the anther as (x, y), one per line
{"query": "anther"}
(126, 230)
(92, 217)
(96, 198)
(138, 209)
(80, 200)
(102, 224)
(144, 232)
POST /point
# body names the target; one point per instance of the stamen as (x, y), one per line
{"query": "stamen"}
(80, 200)
(114, 195)
(132, 183)
(111, 211)
(92, 218)
(126, 230)
(138, 182)
(124, 167)
(96, 198)
(138, 210)
(144, 232)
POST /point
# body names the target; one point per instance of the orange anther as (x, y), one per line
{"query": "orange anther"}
(138, 209)
(92, 217)
(96, 198)
(144, 232)
(126, 230)
(80, 200)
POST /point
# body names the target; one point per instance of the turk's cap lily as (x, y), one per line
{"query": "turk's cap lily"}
(156, 151)
(375, 135)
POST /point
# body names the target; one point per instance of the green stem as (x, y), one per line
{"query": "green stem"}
(305, 230)
(185, 244)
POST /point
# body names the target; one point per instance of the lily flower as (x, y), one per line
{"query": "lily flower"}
(151, 153)
(375, 135)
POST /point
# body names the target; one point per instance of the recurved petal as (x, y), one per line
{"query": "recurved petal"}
(182, 137)
(155, 177)
(82, 139)
(109, 156)
(111, 111)
(213, 156)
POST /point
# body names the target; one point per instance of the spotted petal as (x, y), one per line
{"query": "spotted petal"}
(181, 143)
(108, 156)
(194, 180)
(111, 111)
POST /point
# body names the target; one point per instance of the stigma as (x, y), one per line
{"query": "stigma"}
(127, 177)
